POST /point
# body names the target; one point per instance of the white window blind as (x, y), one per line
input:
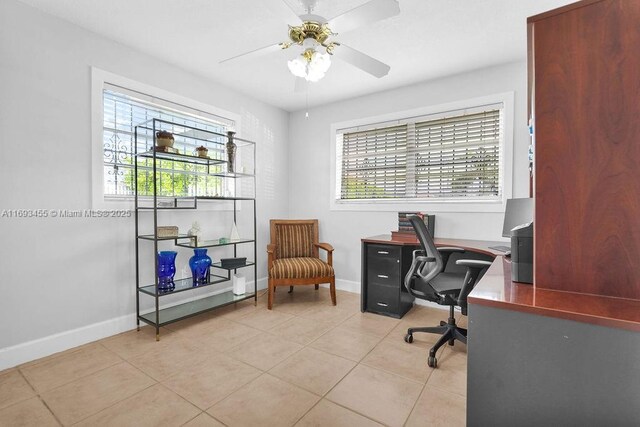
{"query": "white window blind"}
(452, 156)
(123, 110)
(374, 163)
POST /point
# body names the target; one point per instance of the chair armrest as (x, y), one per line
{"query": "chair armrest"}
(271, 255)
(473, 263)
(327, 247)
(474, 268)
(450, 249)
(419, 260)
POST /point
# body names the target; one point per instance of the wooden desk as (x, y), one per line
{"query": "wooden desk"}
(547, 357)
(385, 263)
(497, 290)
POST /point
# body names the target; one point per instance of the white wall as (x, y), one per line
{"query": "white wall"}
(310, 140)
(57, 275)
(69, 281)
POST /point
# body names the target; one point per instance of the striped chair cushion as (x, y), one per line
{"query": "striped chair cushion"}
(294, 240)
(300, 268)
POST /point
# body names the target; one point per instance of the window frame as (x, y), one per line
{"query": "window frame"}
(506, 99)
(99, 77)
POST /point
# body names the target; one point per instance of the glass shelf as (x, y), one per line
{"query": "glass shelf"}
(183, 285)
(223, 198)
(213, 243)
(194, 199)
(182, 311)
(178, 157)
(219, 265)
(232, 174)
(152, 237)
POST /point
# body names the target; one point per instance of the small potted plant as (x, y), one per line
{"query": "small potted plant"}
(202, 151)
(164, 139)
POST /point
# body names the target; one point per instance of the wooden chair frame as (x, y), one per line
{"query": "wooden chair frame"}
(271, 257)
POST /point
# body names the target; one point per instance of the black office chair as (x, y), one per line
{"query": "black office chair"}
(427, 280)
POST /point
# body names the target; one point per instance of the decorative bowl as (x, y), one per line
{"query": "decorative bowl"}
(164, 139)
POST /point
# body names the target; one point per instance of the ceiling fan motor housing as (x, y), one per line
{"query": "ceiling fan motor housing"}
(310, 30)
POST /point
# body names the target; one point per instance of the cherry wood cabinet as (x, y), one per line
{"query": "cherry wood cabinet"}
(584, 77)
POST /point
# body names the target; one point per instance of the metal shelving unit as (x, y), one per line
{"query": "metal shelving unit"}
(216, 167)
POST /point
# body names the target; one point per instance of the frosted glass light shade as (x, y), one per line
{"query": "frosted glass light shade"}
(311, 70)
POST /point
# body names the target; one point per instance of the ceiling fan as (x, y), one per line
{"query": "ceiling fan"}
(315, 34)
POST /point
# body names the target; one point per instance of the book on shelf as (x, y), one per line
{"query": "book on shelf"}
(404, 236)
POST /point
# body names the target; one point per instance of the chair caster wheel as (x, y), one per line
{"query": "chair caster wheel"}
(408, 338)
(432, 362)
(451, 342)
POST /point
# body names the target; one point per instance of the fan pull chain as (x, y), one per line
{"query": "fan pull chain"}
(306, 114)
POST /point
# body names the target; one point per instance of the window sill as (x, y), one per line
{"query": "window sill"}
(461, 206)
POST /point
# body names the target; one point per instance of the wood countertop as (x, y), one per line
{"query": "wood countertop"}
(497, 290)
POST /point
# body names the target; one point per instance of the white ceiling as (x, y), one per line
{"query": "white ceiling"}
(427, 40)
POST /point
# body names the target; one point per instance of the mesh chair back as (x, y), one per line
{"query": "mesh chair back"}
(429, 269)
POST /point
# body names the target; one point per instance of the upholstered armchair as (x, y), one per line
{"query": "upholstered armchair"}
(293, 257)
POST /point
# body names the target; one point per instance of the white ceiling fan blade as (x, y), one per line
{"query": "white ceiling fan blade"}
(254, 53)
(375, 10)
(361, 60)
(283, 10)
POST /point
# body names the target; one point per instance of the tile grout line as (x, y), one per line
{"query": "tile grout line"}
(391, 373)
(416, 402)
(36, 395)
(321, 397)
(51, 411)
(349, 372)
(76, 379)
(125, 398)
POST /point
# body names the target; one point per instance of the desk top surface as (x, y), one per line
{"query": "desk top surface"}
(497, 290)
(482, 246)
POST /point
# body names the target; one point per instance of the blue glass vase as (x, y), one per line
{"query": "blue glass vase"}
(200, 263)
(166, 270)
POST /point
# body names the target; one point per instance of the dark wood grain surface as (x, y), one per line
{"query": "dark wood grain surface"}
(587, 166)
(496, 289)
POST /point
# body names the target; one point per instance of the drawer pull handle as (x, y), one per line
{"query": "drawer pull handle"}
(383, 252)
(382, 276)
(382, 304)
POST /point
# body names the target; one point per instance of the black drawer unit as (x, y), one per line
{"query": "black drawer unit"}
(383, 269)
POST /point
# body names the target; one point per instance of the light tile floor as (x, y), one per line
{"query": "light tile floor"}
(304, 363)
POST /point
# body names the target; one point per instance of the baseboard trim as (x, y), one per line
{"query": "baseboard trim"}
(41, 347)
(46, 346)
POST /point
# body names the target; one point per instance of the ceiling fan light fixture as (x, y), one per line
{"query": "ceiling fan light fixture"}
(310, 65)
(298, 66)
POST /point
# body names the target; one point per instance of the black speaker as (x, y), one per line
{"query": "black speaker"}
(522, 253)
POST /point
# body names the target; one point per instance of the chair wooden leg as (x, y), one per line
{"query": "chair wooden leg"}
(332, 288)
(290, 289)
(317, 286)
(270, 295)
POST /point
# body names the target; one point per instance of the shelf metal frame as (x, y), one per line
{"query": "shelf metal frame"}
(163, 316)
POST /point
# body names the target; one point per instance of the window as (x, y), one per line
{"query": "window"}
(123, 110)
(452, 156)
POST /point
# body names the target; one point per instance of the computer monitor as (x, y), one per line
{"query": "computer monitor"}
(519, 211)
